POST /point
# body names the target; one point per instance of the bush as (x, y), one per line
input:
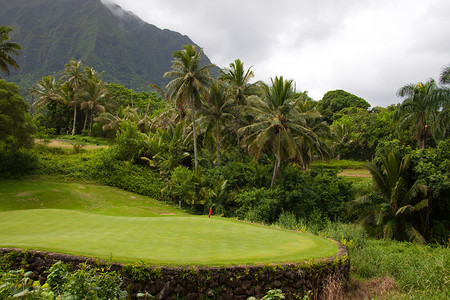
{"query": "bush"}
(259, 205)
(17, 162)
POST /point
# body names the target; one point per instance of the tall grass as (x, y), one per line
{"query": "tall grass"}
(420, 271)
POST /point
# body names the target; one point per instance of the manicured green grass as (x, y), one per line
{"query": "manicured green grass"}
(98, 199)
(108, 223)
(175, 240)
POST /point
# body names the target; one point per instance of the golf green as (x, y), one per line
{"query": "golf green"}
(193, 240)
(109, 223)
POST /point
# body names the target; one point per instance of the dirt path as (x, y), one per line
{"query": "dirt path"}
(66, 144)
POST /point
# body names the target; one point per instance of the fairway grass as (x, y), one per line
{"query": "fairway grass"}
(108, 223)
(98, 199)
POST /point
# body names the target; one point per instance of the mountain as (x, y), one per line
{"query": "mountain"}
(128, 50)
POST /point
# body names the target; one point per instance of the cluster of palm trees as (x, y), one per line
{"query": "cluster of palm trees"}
(426, 108)
(260, 117)
(79, 87)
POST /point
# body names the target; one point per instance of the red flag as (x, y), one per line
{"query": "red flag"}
(210, 213)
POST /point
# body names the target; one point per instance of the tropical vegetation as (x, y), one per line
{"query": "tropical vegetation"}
(246, 149)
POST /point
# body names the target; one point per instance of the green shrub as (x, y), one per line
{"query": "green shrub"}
(259, 205)
(17, 284)
(287, 220)
(17, 162)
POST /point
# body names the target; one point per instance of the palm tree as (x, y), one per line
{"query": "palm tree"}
(189, 83)
(277, 124)
(215, 111)
(6, 49)
(419, 108)
(315, 142)
(95, 93)
(443, 118)
(240, 88)
(395, 201)
(445, 75)
(47, 90)
(75, 77)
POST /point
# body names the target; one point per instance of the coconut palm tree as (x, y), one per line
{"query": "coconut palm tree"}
(315, 142)
(94, 94)
(237, 80)
(189, 83)
(47, 89)
(215, 112)
(6, 49)
(277, 123)
(419, 109)
(396, 200)
(443, 118)
(75, 77)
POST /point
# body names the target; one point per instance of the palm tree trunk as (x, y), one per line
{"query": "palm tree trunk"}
(74, 119)
(90, 123)
(276, 168)
(195, 140)
(85, 120)
(217, 143)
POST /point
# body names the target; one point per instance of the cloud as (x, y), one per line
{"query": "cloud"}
(369, 48)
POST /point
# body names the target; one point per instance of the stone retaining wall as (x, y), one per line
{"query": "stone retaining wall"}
(237, 282)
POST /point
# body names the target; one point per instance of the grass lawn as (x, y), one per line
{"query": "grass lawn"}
(108, 223)
(360, 173)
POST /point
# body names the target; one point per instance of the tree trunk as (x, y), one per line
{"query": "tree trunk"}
(238, 122)
(74, 119)
(90, 123)
(195, 141)
(217, 143)
(85, 120)
(276, 168)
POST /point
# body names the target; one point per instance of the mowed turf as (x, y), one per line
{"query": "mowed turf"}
(166, 240)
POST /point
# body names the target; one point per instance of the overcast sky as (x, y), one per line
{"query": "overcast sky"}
(368, 48)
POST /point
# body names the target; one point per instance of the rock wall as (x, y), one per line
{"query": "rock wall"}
(237, 282)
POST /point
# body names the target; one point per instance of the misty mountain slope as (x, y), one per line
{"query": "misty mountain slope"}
(51, 32)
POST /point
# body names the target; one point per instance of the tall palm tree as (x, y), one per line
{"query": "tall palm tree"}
(95, 93)
(419, 108)
(277, 123)
(189, 83)
(396, 200)
(6, 49)
(240, 88)
(215, 112)
(443, 118)
(75, 76)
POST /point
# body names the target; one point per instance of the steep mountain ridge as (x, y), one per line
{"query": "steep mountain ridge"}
(128, 50)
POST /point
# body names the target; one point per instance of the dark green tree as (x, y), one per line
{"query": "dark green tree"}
(334, 101)
(16, 127)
